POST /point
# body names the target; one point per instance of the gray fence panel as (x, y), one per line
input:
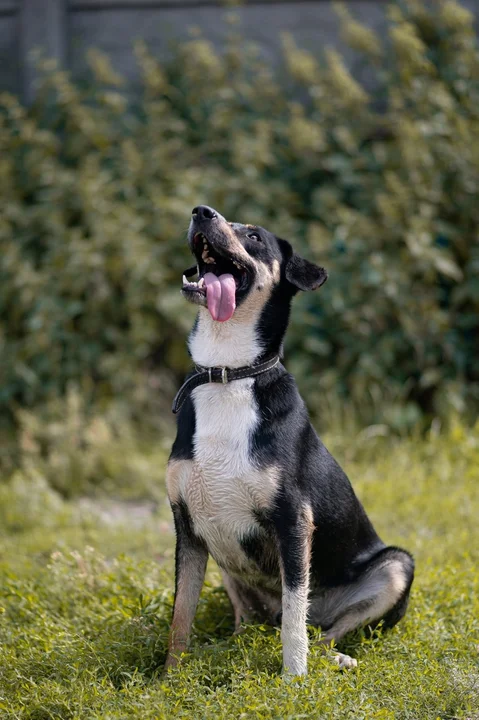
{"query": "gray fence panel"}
(65, 29)
(9, 46)
(313, 24)
(42, 25)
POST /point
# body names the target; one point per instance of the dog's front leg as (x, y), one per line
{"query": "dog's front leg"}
(295, 553)
(191, 559)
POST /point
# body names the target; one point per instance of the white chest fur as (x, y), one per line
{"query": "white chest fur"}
(231, 344)
(226, 416)
(228, 486)
(223, 485)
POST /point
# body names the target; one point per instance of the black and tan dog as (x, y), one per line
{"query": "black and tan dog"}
(248, 479)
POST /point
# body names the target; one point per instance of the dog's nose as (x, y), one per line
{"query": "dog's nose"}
(203, 212)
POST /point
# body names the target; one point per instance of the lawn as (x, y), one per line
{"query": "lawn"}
(86, 595)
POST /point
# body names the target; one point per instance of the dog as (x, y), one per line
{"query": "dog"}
(249, 481)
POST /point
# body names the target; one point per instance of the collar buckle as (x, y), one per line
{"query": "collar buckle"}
(224, 374)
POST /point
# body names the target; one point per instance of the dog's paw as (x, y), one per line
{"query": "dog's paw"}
(293, 678)
(344, 662)
(172, 661)
(239, 629)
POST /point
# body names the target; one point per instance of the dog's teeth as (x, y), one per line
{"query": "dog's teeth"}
(192, 285)
(201, 282)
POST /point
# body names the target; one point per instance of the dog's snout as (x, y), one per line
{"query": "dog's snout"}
(203, 212)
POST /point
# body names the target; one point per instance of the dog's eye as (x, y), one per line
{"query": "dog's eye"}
(254, 236)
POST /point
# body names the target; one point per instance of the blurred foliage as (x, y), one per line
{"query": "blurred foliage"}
(78, 450)
(379, 184)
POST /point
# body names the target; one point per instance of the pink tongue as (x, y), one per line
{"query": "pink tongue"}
(220, 296)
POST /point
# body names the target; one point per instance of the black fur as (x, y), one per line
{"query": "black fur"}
(345, 550)
(303, 274)
(186, 540)
(183, 445)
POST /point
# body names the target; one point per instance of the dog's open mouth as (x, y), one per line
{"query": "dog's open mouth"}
(220, 280)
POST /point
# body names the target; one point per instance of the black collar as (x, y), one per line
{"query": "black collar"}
(221, 375)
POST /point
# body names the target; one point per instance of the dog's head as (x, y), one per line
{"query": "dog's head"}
(242, 265)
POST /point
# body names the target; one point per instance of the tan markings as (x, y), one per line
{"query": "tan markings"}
(214, 494)
(230, 234)
(195, 492)
(265, 278)
(191, 572)
(252, 603)
(308, 530)
(235, 343)
(233, 245)
(397, 578)
(265, 488)
(239, 608)
(222, 494)
(177, 474)
(276, 271)
(309, 520)
(190, 580)
(295, 603)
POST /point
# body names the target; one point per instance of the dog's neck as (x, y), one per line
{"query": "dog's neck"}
(251, 334)
(230, 344)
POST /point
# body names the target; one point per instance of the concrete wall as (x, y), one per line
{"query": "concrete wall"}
(66, 28)
(9, 45)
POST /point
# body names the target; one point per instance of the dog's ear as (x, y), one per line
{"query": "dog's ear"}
(305, 275)
(301, 273)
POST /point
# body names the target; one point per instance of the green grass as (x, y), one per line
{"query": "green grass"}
(86, 595)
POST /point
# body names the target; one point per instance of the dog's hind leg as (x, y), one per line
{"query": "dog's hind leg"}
(250, 604)
(380, 592)
(241, 606)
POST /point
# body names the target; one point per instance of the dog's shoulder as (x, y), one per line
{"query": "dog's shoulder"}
(185, 432)
(283, 422)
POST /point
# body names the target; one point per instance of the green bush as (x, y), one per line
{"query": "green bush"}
(381, 186)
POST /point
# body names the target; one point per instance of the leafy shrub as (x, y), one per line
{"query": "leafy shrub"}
(28, 501)
(75, 449)
(381, 186)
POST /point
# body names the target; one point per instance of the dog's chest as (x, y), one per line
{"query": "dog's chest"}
(226, 488)
(225, 419)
